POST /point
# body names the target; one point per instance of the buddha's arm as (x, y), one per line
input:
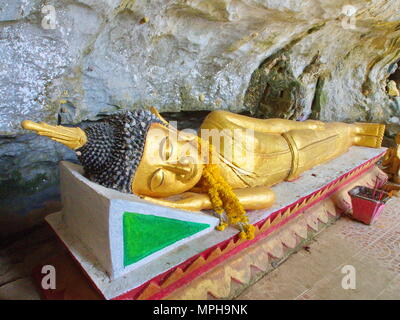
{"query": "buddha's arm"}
(226, 120)
(251, 199)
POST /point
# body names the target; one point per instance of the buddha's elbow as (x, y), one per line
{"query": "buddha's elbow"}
(264, 200)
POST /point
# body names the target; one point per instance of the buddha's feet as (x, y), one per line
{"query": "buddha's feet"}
(369, 134)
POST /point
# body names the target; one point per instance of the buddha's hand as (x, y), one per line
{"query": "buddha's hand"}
(254, 198)
(186, 201)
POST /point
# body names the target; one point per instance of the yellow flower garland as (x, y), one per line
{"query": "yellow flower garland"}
(223, 199)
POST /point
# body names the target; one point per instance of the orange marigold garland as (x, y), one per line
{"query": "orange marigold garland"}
(223, 199)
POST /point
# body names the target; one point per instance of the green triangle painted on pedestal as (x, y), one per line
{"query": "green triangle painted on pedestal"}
(145, 234)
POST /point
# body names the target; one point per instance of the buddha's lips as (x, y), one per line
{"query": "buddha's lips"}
(189, 175)
(193, 171)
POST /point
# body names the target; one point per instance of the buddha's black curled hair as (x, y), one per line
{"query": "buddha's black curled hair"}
(114, 148)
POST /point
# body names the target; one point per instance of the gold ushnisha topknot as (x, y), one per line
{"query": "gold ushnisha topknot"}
(73, 138)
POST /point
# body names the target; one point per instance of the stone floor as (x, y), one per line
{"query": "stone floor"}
(313, 273)
(316, 271)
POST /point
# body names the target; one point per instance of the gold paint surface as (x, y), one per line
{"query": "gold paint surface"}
(73, 138)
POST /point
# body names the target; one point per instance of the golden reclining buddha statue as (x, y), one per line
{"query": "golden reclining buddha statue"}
(228, 166)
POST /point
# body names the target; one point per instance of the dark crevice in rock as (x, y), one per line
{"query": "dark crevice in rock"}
(395, 74)
(67, 113)
(273, 90)
(186, 119)
(319, 100)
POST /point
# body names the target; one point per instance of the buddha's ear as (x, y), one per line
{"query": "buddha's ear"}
(154, 111)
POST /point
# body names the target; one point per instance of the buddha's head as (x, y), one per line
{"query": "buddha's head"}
(170, 163)
(132, 152)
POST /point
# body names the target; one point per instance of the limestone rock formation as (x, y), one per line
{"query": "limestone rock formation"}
(77, 60)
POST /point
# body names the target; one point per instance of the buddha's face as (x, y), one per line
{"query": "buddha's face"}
(170, 164)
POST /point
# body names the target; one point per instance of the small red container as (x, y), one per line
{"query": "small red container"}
(367, 203)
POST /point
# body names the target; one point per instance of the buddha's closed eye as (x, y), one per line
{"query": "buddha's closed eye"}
(166, 149)
(157, 179)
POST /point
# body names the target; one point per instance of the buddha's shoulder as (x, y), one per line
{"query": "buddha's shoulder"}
(218, 115)
(219, 119)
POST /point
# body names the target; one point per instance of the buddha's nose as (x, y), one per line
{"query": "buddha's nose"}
(183, 166)
(186, 136)
(185, 161)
